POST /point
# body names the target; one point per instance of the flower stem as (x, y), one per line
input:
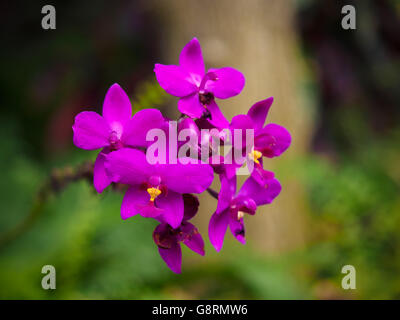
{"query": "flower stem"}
(212, 193)
(58, 180)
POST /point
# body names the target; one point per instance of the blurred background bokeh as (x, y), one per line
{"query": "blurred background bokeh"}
(337, 91)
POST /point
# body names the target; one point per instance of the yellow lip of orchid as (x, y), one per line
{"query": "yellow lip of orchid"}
(154, 193)
(240, 215)
(255, 155)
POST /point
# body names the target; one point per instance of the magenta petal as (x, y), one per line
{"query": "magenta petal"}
(133, 199)
(172, 206)
(91, 131)
(229, 83)
(100, 177)
(230, 168)
(163, 237)
(261, 194)
(217, 118)
(241, 121)
(239, 126)
(191, 59)
(136, 129)
(191, 131)
(191, 106)
(172, 257)
(191, 206)
(217, 229)
(174, 80)
(245, 204)
(259, 111)
(149, 210)
(188, 128)
(226, 193)
(117, 107)
(190, 125)
(260, 175)
(127, 166)
(193, 240)
(237, 229)
(281, 140)
(186, 178)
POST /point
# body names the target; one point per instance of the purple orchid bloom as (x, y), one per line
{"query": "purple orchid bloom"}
(270, 140)
(168, 239)
(114, 130)
(197, 88)
(155, 189)
(232, 206)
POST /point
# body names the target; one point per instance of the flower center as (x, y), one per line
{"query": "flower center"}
(154, 193)
(255, 155)
(206, 98)
(114, 141)
(240, 215)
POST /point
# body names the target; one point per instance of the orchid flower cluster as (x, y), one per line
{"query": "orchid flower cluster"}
(141, 151)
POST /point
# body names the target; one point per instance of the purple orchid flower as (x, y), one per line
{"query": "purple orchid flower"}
(114, 130)
(232, 206)
(155, 189)
(168, 239)
(197, 88)
(270, 140)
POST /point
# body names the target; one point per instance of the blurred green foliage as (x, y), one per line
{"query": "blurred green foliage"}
(149, 94)
(355, 207)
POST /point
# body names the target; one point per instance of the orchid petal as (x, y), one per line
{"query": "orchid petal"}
(260, 175)
(172, 206)
(231, 167)
(100, 177)
(174, 80)
(244, 204)
(237, 229)
(136, 128)
(229, 83)
(191, 206)
(91, 131)
(226, 193)
(191, 106)
(128, 166)
(117, 107)
(217, 229)
(163, 237)
(193, 240)
(191, 58)
(273, 140)
(172, 257)
(134, 199)
(186, 178)
(191, 129)
(149, 210)
(241, 127)
(259, 111)
(261, 195)
(217, 118)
